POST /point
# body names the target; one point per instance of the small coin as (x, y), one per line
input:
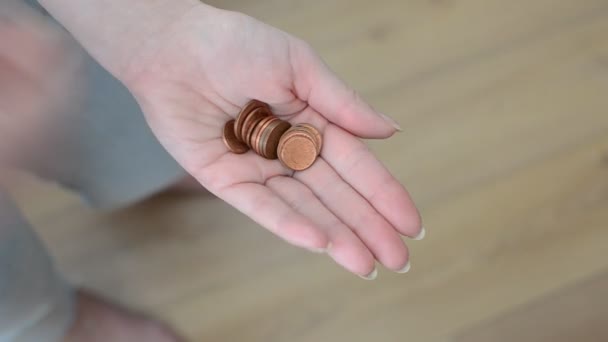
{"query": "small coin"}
(261, 138)
(315, 132)
(245, 111)
(261, 143)
(254, 117)
(308, 133)
(230, 140)
(257, 133)
(249, 132)
(250, 139)
(297, 151)
(312, 133)
(271, 141)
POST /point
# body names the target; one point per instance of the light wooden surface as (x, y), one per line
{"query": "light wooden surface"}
(577, 313)
(505, 110)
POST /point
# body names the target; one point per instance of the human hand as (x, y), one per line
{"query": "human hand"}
(197, 73)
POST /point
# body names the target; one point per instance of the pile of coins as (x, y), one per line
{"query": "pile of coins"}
(256, 128)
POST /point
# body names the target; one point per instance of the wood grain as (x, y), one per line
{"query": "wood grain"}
(577, 313)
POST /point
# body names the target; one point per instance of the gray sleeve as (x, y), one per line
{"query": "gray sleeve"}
(34, 4)
(103, 148)
(35, 302)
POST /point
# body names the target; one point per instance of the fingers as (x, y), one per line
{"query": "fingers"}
(227, 168)
(352, 160)
(352, 209)
(346, 248)
(270, 211)
(262, 190)
(316, 84)
(239, 180)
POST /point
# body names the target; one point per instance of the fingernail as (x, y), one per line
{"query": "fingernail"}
(420, 235)
(391, 122)
(320, 250)
(405, 268)
(371, 276)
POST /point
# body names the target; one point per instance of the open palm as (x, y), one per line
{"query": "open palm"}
(197, 73)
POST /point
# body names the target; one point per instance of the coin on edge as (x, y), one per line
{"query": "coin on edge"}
(245, 111)
(231, 141)
(252, 128)
(259, 132)
(252, 118)
(271, 141)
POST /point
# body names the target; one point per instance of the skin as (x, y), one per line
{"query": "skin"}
(99, 320)
(201, 73)
(192, 67)
(192, 70)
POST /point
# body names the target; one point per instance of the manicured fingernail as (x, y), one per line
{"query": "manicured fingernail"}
(405, 268)
(391, 122)
(371, 276)
(420, 235)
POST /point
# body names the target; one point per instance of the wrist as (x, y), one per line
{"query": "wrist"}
(172, 35)
(116, 32)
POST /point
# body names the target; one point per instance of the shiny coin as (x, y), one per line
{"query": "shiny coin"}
(297, 151)
(261, 143)
(308, 133)
(260, 139)
(270, 142)
(244, 113)
(259, 130)
(248, 135)
(251, 135)
(317, 135)
(230, 140)
(251, 120)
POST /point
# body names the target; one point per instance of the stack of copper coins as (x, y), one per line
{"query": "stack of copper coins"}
(299, 146)
(256, 128)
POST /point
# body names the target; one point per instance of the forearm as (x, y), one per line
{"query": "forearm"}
(115, 31)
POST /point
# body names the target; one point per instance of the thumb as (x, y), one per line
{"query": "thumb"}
(316, 84)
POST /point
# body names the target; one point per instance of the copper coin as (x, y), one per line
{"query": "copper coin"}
(245, 111)
(249, 139)
(253, 126)
(230, 140)
(261, 143)
(303, 130)
(257, 133)
(271, 141)
(297, 151)
(254, 117)
(283, 138)
(293, 131)
(315, 132)
(272, 136)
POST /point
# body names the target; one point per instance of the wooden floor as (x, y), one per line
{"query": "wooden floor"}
(505, 110)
